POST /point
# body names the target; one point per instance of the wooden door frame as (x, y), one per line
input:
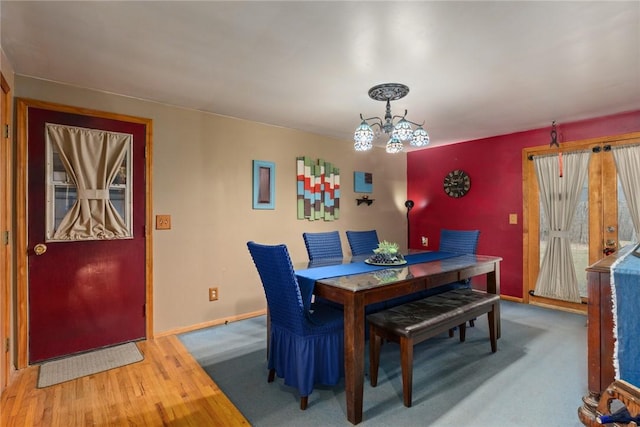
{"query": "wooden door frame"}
(531, 217)
(6, 222)
(22, 297)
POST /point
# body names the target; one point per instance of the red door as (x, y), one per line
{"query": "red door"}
(84, 294)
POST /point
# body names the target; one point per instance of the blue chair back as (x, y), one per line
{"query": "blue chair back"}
(280, 285)
(459, 241)
(323, 245)
(362, 242)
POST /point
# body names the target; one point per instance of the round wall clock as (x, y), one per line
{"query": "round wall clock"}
(457, 183)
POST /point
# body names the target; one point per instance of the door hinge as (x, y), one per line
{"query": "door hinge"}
(7, 345)
(5, 237)
(6, 131)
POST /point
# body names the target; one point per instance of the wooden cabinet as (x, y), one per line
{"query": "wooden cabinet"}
(600, 339)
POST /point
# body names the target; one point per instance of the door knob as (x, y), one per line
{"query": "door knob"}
(40, 248)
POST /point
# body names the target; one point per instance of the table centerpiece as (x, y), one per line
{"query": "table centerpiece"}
(386, 253)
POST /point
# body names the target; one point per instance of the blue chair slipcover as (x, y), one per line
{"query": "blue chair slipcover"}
(362, 242)
(323, 245)
(456, 241)
(305, 347)
(459, 241)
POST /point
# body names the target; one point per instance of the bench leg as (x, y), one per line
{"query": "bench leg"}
(406, 355)
(374, 355)
(493, 330)
(463, 331)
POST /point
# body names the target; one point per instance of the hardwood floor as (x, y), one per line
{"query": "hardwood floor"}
(168, 388)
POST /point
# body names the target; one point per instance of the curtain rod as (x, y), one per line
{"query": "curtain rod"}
(596, 149)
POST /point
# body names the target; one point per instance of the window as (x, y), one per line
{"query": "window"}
(93, 221)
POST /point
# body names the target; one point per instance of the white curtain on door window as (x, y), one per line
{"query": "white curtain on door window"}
(559, 197)
(627, 159)
(91, 159)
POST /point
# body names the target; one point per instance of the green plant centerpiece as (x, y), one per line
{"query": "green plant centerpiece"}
(386, 253)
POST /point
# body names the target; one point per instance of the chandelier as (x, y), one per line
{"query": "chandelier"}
(399, 132)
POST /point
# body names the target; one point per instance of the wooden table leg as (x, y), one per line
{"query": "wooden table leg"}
(354, 356)
(493, 287)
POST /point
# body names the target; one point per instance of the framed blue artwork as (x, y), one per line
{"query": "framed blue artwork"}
(264, 185)
(363, 182)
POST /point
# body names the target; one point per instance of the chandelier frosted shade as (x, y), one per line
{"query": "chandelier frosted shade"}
(403, 130)
(394, 145)
(363, 137)
(398, 128)
(420, 137)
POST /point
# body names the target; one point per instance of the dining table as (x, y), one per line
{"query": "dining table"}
(356, 284)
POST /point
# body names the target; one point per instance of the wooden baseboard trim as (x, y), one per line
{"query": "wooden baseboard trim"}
(559, 307)
(210, 323)
(512, 299)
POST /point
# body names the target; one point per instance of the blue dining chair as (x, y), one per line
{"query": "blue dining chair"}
(305, 347)
(323, 245)
(464, 242)
(362, 242)
(455, 241)
(459, 241)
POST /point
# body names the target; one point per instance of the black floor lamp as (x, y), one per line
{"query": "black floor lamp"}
(409, 205)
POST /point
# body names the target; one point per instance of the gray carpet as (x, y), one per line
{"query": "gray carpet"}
(70, 368)
(537, 377)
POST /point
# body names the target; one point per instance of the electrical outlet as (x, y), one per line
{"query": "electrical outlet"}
(213, 294)
(425, 241)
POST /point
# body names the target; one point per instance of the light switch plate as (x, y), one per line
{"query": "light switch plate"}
(163, 222)
(513, 218)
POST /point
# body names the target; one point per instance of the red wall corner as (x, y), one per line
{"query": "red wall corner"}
(495, 167)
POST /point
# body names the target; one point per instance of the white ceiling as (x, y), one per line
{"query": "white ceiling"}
(475, 69)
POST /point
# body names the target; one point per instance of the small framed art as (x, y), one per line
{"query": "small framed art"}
(363, 182)
(264, 185)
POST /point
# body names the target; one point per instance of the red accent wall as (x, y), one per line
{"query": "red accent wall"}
(495, 167)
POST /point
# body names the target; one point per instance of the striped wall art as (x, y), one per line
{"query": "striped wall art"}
(318, 189)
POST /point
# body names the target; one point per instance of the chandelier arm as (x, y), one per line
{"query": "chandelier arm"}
(415, 124)
(379, 120)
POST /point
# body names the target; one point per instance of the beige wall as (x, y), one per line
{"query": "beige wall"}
(202, 177)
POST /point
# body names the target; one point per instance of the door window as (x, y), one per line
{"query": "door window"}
(626, 233)
(105, 214)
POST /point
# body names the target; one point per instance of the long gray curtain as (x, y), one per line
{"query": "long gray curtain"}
(559, 197)
(91, 159)
(627, 160)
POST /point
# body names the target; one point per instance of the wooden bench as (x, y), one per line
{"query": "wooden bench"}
(416, 321)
